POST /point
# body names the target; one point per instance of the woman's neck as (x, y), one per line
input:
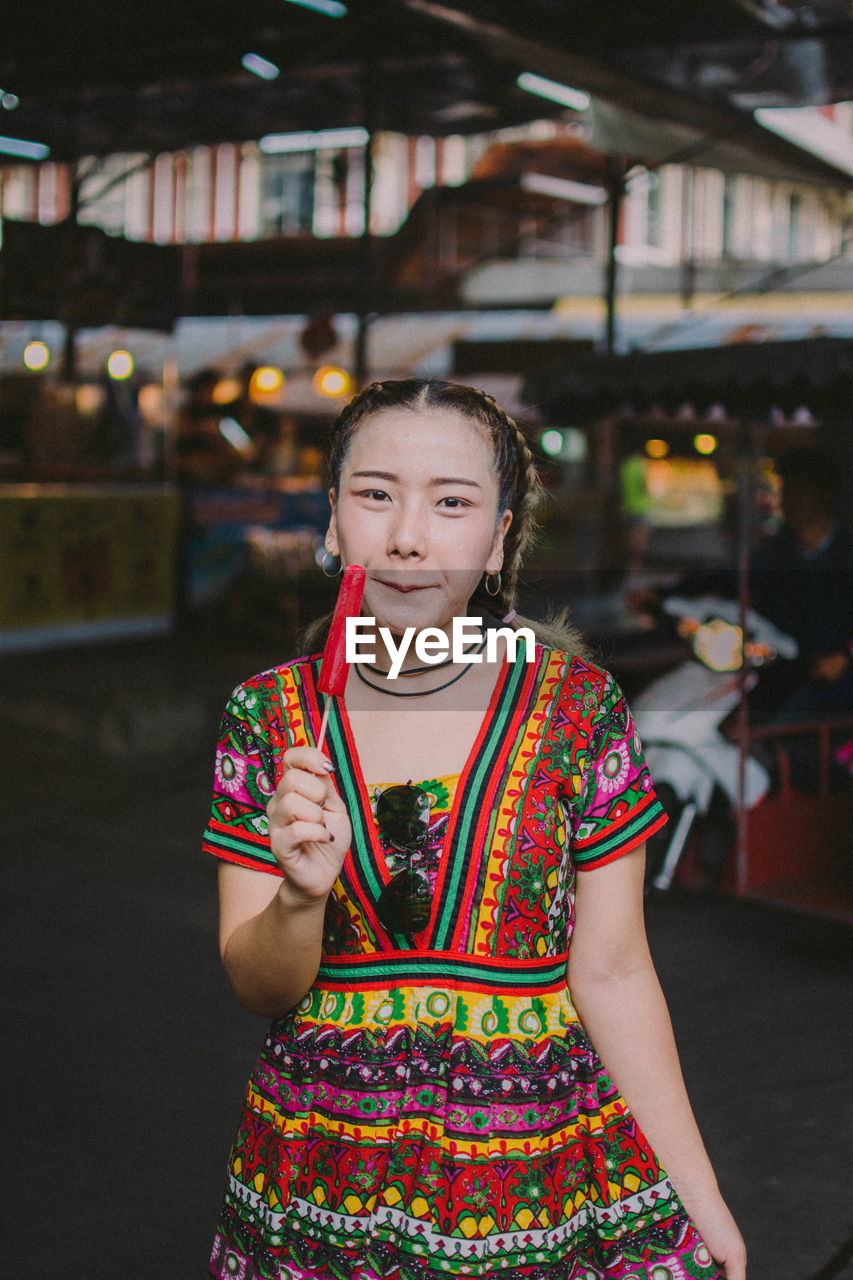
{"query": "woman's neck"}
(413, 653)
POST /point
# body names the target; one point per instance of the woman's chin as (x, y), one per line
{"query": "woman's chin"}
(398, 621)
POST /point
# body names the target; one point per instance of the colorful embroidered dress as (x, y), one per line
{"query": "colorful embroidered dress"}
(438, 1109)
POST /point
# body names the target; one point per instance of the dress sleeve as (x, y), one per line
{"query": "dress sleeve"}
(244, 780)
(616, 808)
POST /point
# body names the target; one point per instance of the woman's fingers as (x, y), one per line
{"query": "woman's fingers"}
(309, 759)
(333, 802)
(309, 833)
(305, 784)
(307, 773)
(310, 830)
(296, 807)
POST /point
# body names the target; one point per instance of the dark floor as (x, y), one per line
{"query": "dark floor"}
(126, 1055)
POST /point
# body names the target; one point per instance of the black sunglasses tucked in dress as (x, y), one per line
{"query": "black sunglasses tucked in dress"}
(402, 816)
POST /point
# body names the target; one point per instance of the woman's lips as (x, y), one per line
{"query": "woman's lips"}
(403, 588)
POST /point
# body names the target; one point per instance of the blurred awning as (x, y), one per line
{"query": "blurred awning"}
(738, 144)
(746, 378)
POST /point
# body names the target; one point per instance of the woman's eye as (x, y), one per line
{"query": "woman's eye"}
(453, 503)
(375, 495)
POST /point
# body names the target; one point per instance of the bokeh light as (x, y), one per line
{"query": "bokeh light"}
(657, 448)
(226, 391)
(152, 403)
(331, 381)
(120, 365)
(89, 399)
(551, 442)
(266, 381)
(704, 442)
(36, 355)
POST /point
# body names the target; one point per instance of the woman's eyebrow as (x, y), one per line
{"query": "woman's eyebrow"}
(457, 480)
(439, 480)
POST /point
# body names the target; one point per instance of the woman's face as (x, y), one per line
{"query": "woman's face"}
(417, 507)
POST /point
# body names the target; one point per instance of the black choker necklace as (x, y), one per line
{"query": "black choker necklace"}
(433, 666)
(411, 671)
(414, 671)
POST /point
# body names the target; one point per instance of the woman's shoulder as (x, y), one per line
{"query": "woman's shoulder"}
(577, 668)
(583, 688)
(257, 689)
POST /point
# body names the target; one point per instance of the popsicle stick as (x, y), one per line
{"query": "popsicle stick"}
(324, 722)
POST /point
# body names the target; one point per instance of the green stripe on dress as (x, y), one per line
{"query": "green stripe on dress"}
(460, 969)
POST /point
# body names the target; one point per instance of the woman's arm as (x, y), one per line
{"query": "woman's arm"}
(270, 945)
(618, 997)
(271, 927)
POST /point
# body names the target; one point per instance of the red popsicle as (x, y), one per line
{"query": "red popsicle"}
(334, 667)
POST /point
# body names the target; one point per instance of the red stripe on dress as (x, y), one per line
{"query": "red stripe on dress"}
(227, 855)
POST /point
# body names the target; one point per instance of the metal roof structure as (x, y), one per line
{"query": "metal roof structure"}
(89, 79)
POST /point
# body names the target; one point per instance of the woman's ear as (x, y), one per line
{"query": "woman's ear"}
(496, 557)
(330, 541)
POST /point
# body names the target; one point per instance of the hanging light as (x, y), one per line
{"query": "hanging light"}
(36, 355)
(265, 384)
(331, 381)
(120, 365)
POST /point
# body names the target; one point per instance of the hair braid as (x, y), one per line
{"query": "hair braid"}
(520, 493)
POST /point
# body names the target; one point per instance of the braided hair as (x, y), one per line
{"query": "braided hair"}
(519, 487)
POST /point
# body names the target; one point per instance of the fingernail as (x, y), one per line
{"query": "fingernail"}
(328, 766)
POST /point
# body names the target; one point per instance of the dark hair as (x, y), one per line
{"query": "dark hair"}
(519, 488)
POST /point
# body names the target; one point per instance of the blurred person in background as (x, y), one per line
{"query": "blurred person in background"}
(802, 580)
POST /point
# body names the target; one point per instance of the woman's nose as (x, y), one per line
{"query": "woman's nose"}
(406, 535)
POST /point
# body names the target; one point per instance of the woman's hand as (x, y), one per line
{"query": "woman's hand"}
(718, 1229)
(310, 830)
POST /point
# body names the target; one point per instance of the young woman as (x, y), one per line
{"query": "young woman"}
(428, 1101)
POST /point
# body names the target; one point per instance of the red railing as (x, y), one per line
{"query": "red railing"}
(800, 729)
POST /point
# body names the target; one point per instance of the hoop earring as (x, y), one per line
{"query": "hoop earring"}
(327, 561)
(493, 578)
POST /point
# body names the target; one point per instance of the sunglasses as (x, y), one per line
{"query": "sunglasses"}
(402, 816)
